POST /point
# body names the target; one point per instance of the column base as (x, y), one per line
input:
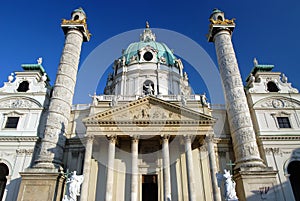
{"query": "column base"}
(255, 183)
(39, 185)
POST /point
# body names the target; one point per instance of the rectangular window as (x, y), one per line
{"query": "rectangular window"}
(283, 122)
(12, 122)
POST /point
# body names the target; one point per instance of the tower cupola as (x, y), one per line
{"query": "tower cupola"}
(217, 15)
(78, 14)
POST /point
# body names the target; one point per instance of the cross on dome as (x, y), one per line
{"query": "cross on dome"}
(147, 34)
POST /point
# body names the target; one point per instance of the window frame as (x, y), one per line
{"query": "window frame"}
(282, 114)
(14, 124)
(11, 114)
(282, 123)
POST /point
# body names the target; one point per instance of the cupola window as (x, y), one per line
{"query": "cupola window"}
(23, 86)
(148, 56)
(272, 87)
(220, 18)
(76, 17)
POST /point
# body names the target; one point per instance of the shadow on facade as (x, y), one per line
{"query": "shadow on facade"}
(277, 192)
(13, 186)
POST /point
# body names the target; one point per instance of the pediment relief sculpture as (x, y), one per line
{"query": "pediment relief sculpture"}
(147, 109)
(277, 102)
(19, 102)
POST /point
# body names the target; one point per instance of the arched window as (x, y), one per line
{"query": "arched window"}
(220, 18)
(23, 86)
(3, 174)
(272, 87)
(293, 170)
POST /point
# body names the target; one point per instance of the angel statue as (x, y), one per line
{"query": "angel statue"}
(73, 187)
(229, 185)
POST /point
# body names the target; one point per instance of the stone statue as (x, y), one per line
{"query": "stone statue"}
(229, 185)
(11, 77)
(40, 61)
(148, 89)
(73, 187)
(204, 100)
(183, 100)
(114, 101)
(284, 78)
(255, 62)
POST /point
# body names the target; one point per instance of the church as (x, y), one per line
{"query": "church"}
(148, 137)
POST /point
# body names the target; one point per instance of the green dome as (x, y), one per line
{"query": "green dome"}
(147, 38)
(161, 48)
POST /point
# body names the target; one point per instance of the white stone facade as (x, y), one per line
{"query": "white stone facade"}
(147, 131)
(17, 144)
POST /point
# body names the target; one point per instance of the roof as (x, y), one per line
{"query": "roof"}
(260, 68)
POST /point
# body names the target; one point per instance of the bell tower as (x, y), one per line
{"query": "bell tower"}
(44, 180)
(250, 168)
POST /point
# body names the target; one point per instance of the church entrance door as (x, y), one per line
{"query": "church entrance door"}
(149, 188)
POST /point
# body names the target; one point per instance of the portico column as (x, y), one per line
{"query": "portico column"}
(213, 166)
(135, 171)
(110, 167)
(87, 167)
(190, 167)
(166, 167)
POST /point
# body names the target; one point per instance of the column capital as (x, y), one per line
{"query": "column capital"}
(112, 138)
(135, 138)
(165, 136)
(89, 138)
(209, 138)
(188, 137)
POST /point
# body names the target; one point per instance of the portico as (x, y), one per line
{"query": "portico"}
(148, 136)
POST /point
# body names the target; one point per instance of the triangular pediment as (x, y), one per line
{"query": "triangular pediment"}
(149, 110)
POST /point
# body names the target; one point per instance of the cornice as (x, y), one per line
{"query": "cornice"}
(18, 139)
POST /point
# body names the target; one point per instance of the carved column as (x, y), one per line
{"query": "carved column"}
(166, 167)
(250, 169)
(190, 167)
(135, 170)
(213, 166)
(45, 181)
(87, 168)
(242, 133)
(110, 167)
(53, 142)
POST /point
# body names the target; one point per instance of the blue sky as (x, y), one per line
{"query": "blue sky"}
(267, 30)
